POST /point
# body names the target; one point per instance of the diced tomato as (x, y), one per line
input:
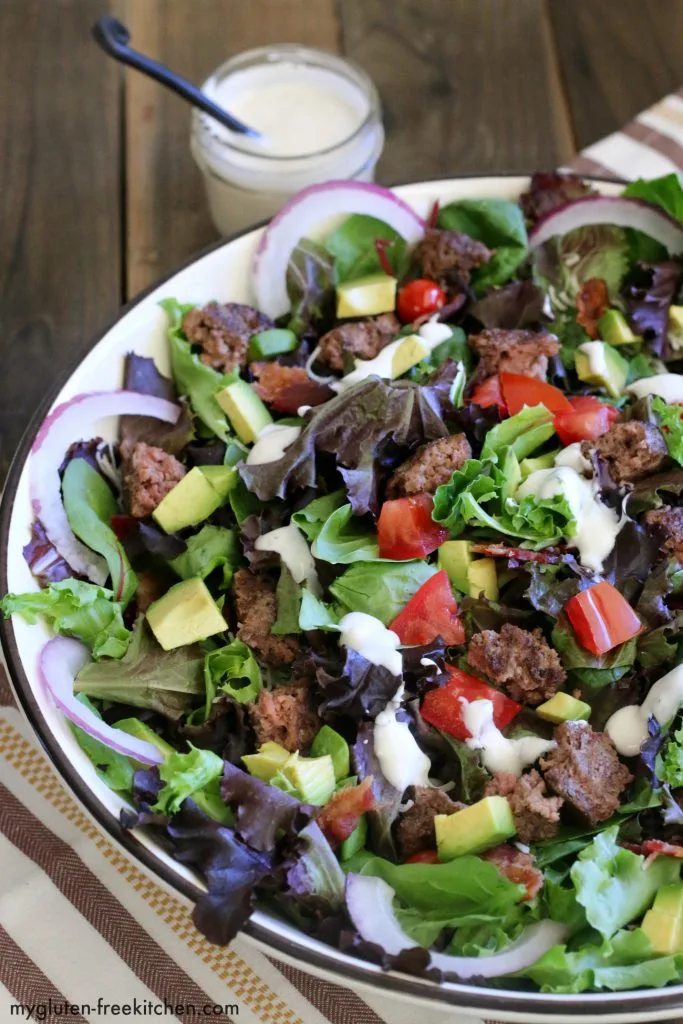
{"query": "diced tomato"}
(342, 812)
(417, 298)
(442, 708)
(431, 612)
(405, 528)
(601, 618)
(489, 393)
(424, 857)
(519, 391)
(586, 419)
(591, 303)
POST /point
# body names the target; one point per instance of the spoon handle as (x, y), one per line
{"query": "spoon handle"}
(112, 35)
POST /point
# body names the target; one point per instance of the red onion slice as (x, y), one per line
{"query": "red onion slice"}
(60, 661)
(618, 210)
(58, 430)
(303, 212)
(369, 902)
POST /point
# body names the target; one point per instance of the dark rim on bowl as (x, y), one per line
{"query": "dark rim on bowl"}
(481, 1000)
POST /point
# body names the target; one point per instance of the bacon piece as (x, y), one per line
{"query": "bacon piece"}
(286, 388)
(517, 866)
(652, 848)
(549, 556)
(591, 303)
(341, 814)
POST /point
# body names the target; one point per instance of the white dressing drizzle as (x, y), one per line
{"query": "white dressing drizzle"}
(497, 752)
(573, 457)
(370, 637)
(597, 362)
(597, 525)
(627, 727)
(289, 543)
(402, 762)
(668, 386)
(272, 443)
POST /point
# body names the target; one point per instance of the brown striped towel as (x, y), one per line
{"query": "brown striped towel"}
(81, 923)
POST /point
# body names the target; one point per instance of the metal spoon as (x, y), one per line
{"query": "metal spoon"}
(113, 36)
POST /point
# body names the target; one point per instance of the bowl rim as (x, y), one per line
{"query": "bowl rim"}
(467, 997)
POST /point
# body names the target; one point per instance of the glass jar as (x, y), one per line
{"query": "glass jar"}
(321, 119)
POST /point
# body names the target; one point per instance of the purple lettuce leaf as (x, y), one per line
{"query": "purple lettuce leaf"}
(387, 799)
(43, 559)
(634, 553)
(516, 305)
(652, 606)
(262, 812)
(313, 876)
(142, 375)
(369, 427)
(548, 190)
(419, 678)
(650, 295)
(226, 731)
(357, 689)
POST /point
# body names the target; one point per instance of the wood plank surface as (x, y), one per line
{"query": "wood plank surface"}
(466, 86)
(60, 255)
(616, 59)
(167, 218)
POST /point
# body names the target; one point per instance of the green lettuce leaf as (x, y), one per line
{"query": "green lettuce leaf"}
(169, 682)
(622, 962)
(77, 609)
(184, 775)
(89, 505)
(459, 889)
(524, 433)
(671, 768)
(214, 547)
(288, 598)
(114, 769)
(612, 884)
(497, 223)
(193, 378)
(564, 263)
(671, 424)
(344, 538)
(231, 669)
(315, 614)
(352, 245)
(381, 589)
(313, 516)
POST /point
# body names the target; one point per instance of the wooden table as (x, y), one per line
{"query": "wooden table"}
(98, 192)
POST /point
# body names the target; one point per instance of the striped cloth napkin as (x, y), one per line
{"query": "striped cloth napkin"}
(81, 923)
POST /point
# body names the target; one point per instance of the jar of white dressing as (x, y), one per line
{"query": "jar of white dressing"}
(320, 117)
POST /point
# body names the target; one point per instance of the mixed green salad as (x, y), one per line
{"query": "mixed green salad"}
(373, 613)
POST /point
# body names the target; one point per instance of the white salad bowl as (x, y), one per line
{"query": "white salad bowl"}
(223, 273)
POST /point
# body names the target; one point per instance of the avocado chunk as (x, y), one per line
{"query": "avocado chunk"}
(269, 759)
(221, 478)
(409, 352)
(531, 465)
(482, 579)
(276, 341)
(185, 614)
(245, 410)
(356, 841)
(312, 778)
(455, 557)
(474, 829)
(366, 296)
(663, 931)
(613, 328)
(676, 327)
(669, 900)
(194, 498)
(329, 741)
(141, 731)
(598, 363)
(562, 707)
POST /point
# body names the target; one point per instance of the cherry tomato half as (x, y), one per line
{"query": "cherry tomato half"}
(418, 298)
(585, 420)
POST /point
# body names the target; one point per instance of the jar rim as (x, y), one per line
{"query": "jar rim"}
(295, 53)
